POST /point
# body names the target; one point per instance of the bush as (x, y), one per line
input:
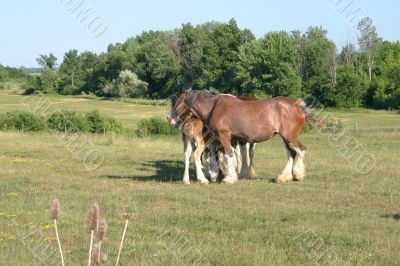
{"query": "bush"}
(126, 85)
(62, 121)
(155, 126)
(99, 123)
(350, 88)
(68, 121)
(21, 121)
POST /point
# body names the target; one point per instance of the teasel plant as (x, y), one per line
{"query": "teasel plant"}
(97, 254)
(55, 215)
(93, 222)
(126, 218)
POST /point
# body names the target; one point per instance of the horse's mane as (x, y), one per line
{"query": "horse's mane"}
(192, 95)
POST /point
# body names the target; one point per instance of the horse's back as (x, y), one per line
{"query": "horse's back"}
(250, 118)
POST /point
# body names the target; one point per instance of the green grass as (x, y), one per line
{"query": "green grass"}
(255, 222)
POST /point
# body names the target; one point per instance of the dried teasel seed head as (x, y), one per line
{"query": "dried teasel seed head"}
(55, 209)
(102, 230)
(125, 216)
(94, 214)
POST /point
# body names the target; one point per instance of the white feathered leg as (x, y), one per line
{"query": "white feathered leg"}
(187, 148)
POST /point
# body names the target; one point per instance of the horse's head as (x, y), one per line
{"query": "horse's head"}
(189, 103)
(179, 110)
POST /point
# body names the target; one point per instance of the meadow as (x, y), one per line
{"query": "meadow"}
(338, 215)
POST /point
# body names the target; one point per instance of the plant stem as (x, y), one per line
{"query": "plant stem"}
(99, 255)
(91, 246)
(59, 243)
(122, 241)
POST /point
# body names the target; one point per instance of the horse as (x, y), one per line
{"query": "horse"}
(228, 117)
(193, 134)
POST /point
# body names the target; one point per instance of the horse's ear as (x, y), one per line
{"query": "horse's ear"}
(190, 88)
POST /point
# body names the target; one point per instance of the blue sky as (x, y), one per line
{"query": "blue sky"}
(30, 28)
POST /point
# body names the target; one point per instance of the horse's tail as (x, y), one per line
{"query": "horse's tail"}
(311, 115)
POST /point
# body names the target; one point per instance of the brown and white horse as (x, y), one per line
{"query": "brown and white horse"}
(193, 137)
(228, 117)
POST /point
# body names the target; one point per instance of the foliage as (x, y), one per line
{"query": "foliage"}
(350, 89)
(156, 64)
(68, 121)
(155, 126)
(368, 42)
(47, 61)
(63, 121)
(126, 85)
(12, 74)
(99, 123)
(48, 81)
(267, 66)
(71, 73)
(21, 121)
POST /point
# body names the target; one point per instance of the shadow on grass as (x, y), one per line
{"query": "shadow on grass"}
(165, 171)
(395, 216)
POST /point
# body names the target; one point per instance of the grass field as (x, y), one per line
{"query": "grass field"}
(337, 216)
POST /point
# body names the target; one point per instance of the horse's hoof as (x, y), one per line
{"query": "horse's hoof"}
(252, 174)
(280, 179)
(186, 182)
(298, 178)
(204, 182)
(228, 181)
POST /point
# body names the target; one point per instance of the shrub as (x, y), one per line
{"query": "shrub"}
(68, 121)
(126, 85)
(155, 126)
(48, 81)
(31, 85)
(91, 122)
(21, 121)
(99, 123)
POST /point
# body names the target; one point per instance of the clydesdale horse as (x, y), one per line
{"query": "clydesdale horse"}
(227, 118)
(196, 139)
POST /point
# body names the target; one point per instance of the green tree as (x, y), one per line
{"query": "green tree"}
(350, 88)
(267, 67)
(191, 52)
(221, 54)
(368, 42)
(384, 91)
(47, 61)
(317, 63)
(71, 73)
(158, 64)
(48, 81)
(126, 85)
(89, 63)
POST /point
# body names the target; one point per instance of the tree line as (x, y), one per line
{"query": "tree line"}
(156, 64)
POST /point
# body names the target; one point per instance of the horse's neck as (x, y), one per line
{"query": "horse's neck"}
(204, 106)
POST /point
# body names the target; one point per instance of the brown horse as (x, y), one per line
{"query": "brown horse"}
(228, 117)
(193, 134)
